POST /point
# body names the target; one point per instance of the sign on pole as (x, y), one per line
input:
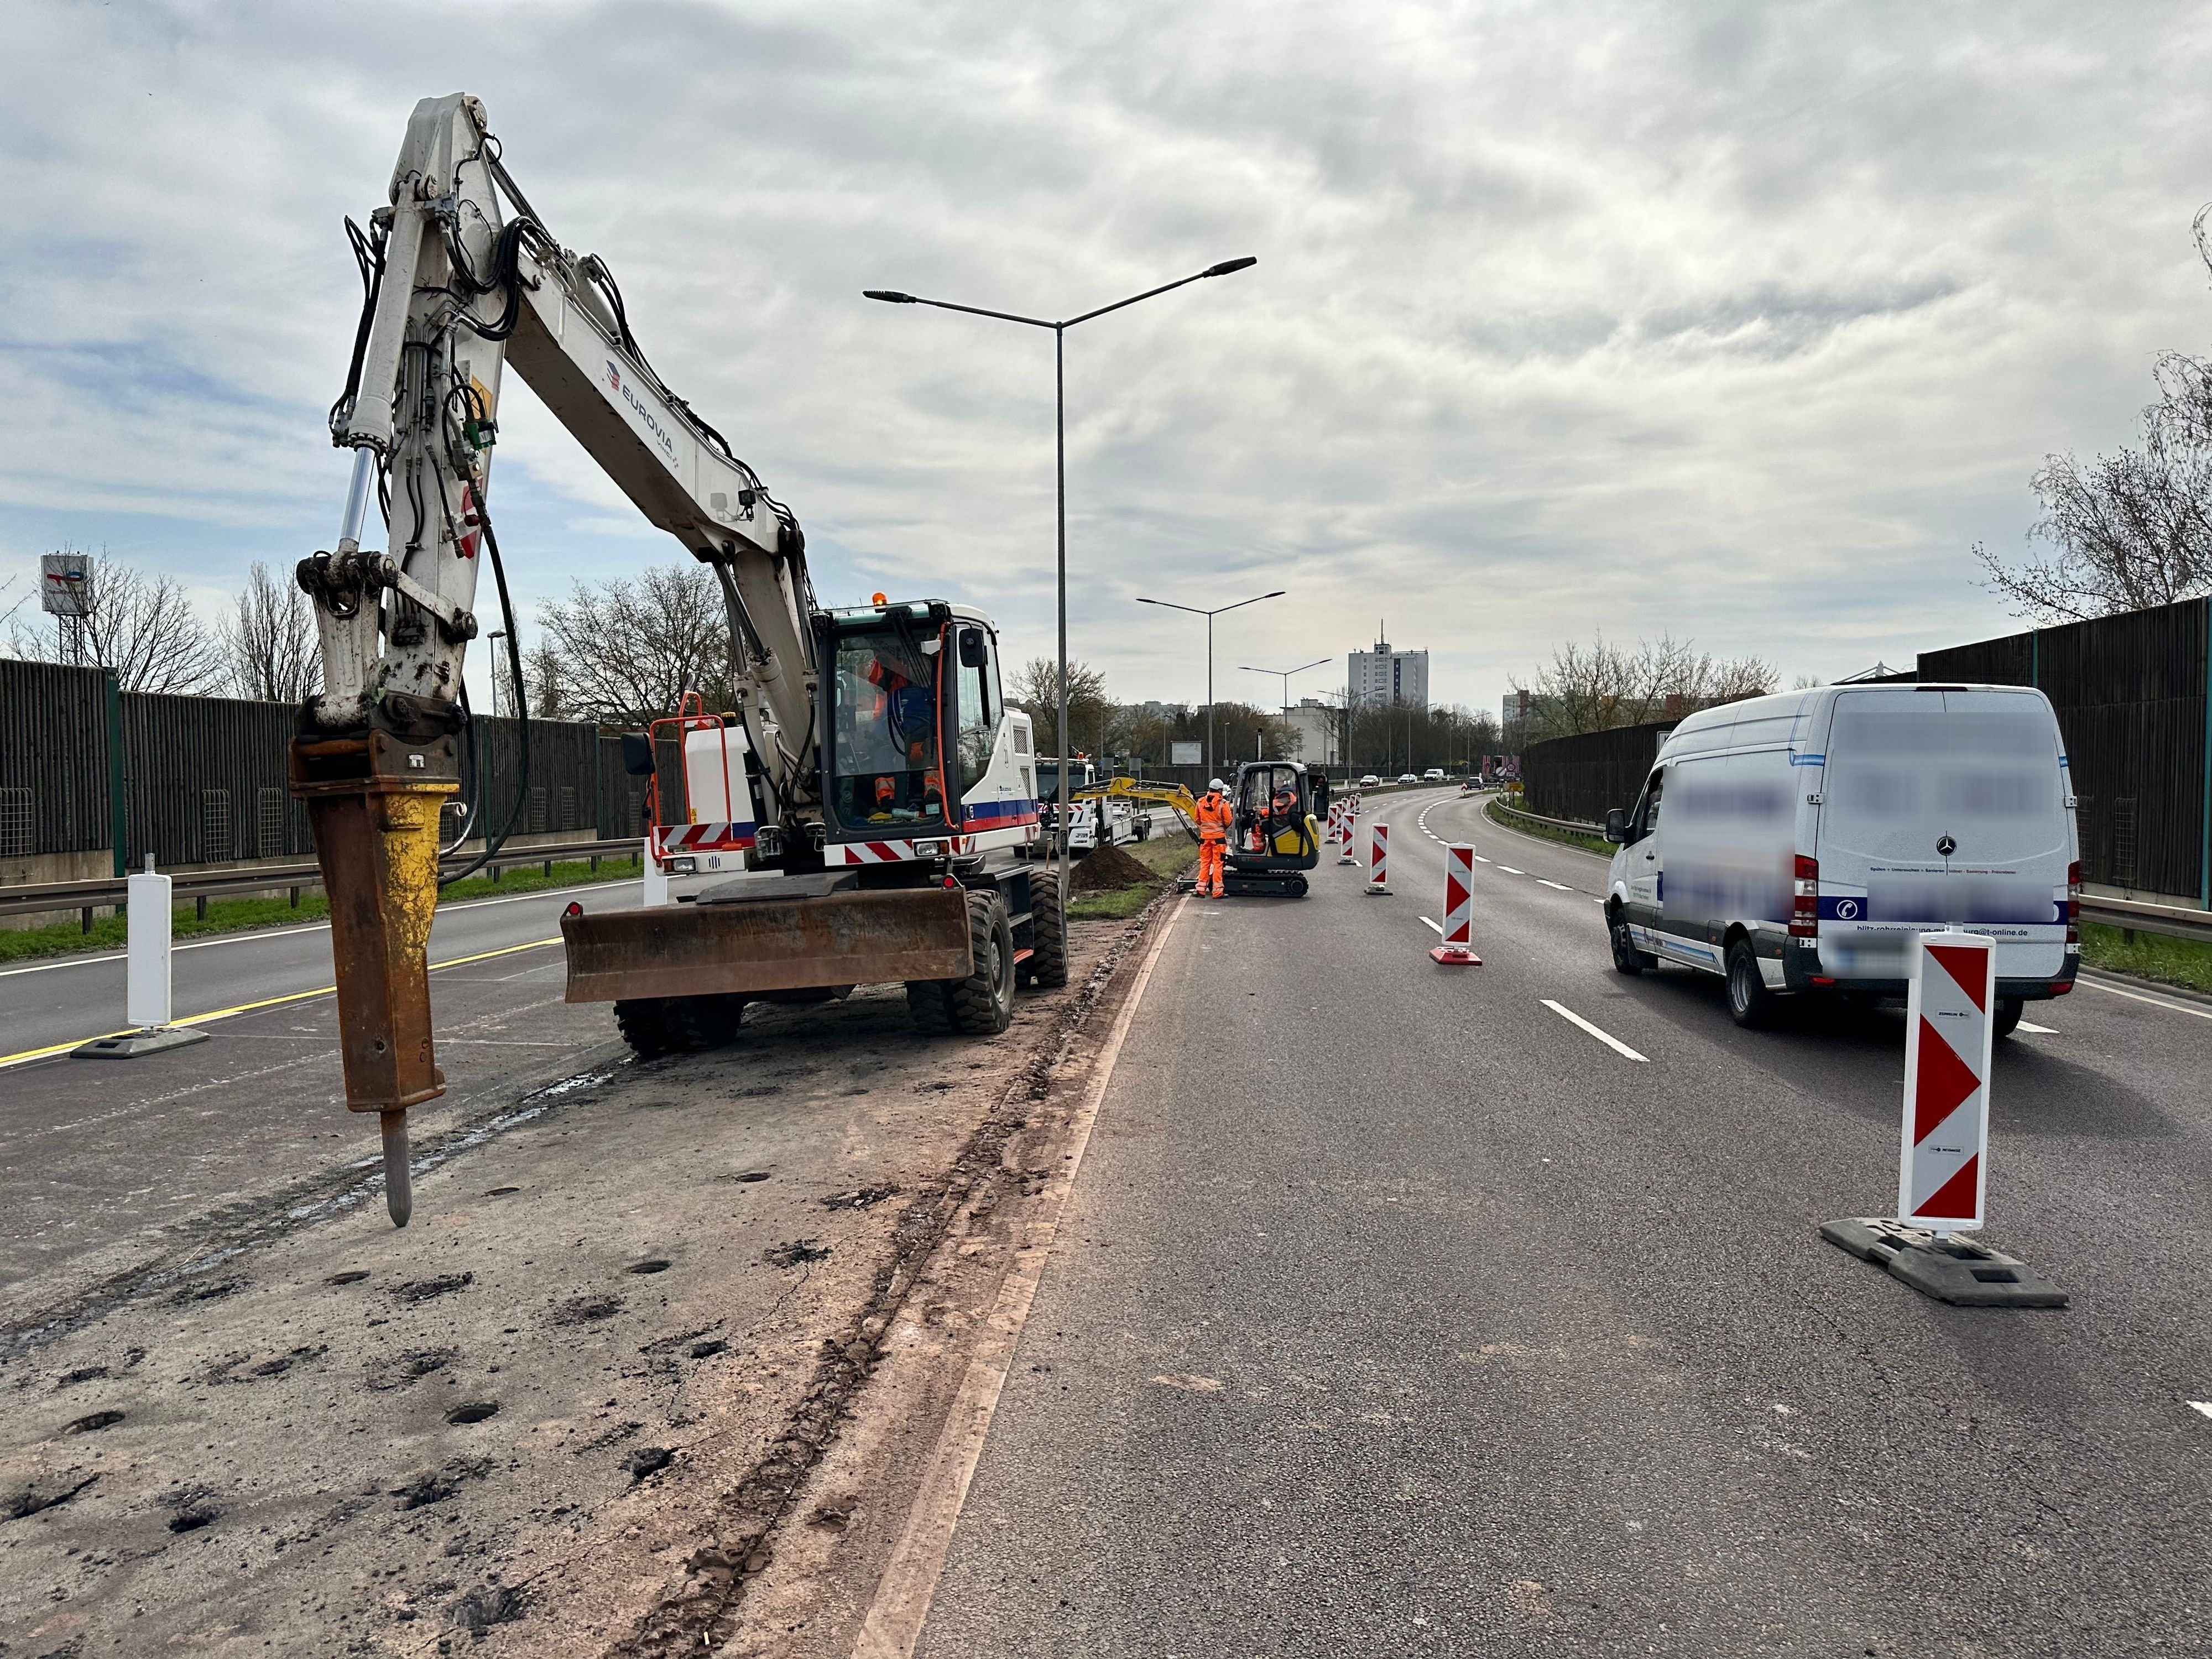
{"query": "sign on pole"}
(1942, 1166)
(64, 588)
(1185, 754)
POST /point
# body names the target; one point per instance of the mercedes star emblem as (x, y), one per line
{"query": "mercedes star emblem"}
(1945, 846)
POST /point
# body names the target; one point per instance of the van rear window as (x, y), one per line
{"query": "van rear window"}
(1966, 766)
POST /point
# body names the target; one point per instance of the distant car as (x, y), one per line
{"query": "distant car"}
(1408, 777)
(1434, 774)
(1370, 781)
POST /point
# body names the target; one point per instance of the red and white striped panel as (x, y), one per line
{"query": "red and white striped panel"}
(703, 838)
(1378, 880)
(1942, 1169)
(900, 852)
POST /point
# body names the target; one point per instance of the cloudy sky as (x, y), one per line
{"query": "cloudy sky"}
(1740, 322)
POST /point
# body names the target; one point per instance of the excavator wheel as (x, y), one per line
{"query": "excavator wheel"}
(925, 1001)
(1048, 964)
(982, 1005)
(653, 1026)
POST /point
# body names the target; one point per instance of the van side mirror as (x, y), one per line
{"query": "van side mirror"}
(1616, 826)
(973, 654)
(637, 754)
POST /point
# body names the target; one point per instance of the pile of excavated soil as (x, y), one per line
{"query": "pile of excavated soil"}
(1106, 869)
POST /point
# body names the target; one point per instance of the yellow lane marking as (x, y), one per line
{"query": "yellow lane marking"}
(266, 1002)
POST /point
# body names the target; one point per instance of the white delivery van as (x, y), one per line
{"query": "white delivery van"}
(1795, 843)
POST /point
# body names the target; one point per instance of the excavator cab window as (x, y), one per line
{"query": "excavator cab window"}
(980, 713)
(886, 766)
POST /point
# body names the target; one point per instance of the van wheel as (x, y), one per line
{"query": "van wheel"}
(2009, 1009)
(1626, 958)
(1750, 1003)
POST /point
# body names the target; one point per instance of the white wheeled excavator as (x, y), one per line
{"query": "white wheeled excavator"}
(880, 788)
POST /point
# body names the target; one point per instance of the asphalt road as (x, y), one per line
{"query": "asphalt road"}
(1396, 1313)
(107, 1164)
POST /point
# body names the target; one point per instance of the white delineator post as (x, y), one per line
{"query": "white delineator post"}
(1345, 855)
(146, 968)
(145, 978)
(1457, 948)
(1378, 878)
(1942, 1162)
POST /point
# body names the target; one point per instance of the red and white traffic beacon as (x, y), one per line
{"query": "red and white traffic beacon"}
(1456, 948)
(1379, 863)
(1942, 1162)
(1942, 1158)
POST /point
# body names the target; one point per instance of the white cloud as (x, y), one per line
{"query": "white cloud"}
(1735, 321)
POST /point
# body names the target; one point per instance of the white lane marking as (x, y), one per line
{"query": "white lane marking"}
(2137, 996)
(903, 1594)
(1479, 859)
(1508, 870)
(251, 935)
(1604, 1036)
(1432, 923)
(2203, 1406)
(1561, 885)
(2040, 1030)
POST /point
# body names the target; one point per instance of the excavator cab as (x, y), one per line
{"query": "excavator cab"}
(1277, 837)
(885, 766)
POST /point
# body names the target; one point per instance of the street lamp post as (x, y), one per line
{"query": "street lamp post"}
(1284, 675)
(892, 296)
(493, 639)
(1196, 611)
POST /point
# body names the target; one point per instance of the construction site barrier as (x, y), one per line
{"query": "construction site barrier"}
(1378, 875)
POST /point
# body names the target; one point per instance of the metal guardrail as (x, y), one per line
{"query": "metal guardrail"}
(59, 896)
(1596, 830)
(2176, 920)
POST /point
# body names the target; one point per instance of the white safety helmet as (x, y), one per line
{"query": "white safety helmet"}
(1217, 785)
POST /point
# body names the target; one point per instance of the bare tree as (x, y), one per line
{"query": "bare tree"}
(1596, 687)
(270, 641)
(2129, 529)
(142, 627)
(1035, 691)
(626, 651)
(543, 678)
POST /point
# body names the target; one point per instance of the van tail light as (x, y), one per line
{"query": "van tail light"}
(2074, 903)
(1805, 902)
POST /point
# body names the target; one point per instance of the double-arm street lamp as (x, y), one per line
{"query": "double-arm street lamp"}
(1196, 610)
(1284, 675)
(892, 296)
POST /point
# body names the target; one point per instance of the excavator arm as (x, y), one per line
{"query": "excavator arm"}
(462, 281)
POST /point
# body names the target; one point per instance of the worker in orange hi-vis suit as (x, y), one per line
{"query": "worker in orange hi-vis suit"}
(1216, 818)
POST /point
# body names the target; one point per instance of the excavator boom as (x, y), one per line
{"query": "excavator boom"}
(463, 281)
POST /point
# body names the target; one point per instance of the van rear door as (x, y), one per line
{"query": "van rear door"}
(1942, 807)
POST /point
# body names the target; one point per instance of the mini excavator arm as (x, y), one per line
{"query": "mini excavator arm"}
(463, 282)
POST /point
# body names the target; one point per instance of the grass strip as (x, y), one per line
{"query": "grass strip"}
(246, 915)
(2161, 956)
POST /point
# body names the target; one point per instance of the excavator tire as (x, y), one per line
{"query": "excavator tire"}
(653, 1026)
(925, 1001)
(1048, 963)
(982, 1005)
(640, 1022)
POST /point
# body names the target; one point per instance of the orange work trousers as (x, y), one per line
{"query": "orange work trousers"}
(1209, 867)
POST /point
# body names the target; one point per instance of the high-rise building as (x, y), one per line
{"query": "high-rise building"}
(1316, 727)
(1384, 677)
